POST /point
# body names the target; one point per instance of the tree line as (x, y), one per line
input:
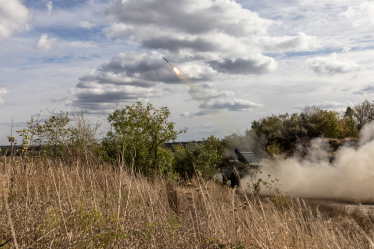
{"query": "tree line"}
(137, 135)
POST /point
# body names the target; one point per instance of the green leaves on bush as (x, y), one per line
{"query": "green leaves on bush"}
(203, 157)
(137, 138)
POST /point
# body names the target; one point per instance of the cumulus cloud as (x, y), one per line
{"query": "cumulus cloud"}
(365, 90)
(262, 65)
(211, 29)
(346, 49)
(13, 18)
(3, 91)
(49, 7)
(190, 16)
(175, 45)
(329, 105)
(206, 39)
(331, 65)
(82, 44)
(193, 115)
(230, 104)
(43, 43)
(86, 24)
(139, 69)
(102, 98)
(361, 14)
(333, 104)
(58, 99)
(286, 43)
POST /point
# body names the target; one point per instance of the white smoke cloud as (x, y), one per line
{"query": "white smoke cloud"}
(13, 18)
(44, 43)
(349, 177)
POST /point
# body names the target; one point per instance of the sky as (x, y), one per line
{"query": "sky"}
(240, 60)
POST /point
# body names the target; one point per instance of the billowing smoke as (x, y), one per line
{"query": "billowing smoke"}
(349, 177)
(249, 141)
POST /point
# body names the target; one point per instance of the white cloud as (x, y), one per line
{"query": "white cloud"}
(226, 36)
(333, 104)
(3, 91)
(369, 89)
(287, 43)
(346, 49)
(203, 16)
(49, 7)
(331, 65)
(44, 43)
(100, 98)
(82, 44)
(58, 99)
(230, 104)
(13, 18)
(86, 24)
(361, 14)
(193, 115)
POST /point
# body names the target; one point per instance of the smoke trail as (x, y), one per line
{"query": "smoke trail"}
(199, 95)
(350, 177)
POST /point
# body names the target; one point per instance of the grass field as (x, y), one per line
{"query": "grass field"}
(46, 204)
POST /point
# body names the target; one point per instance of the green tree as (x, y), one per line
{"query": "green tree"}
(52, 134)
(138, 136)
(204, 157)
(363, 113)
(347, 125)
(63, 137)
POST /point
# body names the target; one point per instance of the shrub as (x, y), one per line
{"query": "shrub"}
(203, 157)
(138, 136)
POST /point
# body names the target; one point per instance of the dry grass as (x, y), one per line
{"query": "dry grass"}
(49, 205)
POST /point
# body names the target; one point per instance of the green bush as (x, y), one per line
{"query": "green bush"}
(137, 138)
(203, 157)
(289, 130)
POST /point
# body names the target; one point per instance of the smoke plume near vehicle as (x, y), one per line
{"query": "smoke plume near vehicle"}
(349, 177)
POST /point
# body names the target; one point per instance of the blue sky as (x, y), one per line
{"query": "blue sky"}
(241, 60)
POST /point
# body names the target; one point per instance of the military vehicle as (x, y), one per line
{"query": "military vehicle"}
(234, 169)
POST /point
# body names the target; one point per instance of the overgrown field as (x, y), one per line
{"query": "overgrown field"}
(46, 204)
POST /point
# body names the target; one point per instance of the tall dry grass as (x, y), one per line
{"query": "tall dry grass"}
(45, 204)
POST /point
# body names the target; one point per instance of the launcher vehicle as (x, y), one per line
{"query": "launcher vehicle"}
(234, 168)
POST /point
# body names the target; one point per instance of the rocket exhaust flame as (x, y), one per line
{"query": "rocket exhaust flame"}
(198, 94)
(176, 70)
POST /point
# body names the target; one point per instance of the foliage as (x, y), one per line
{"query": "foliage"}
(274, 149)
(285, 131)
(59, 137)
(52, 134)
(137, 138)
(257, 183)
(363, 113)
(204, 157)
